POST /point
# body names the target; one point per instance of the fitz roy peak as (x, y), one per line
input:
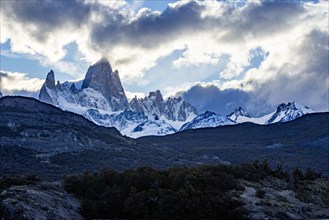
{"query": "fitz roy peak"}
(100, 89)
(101, 78)
(102, 99)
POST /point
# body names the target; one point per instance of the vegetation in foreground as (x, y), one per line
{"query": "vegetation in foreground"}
(205, 192)
(248, 191)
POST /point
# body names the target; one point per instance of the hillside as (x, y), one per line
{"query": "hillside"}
(303, 142)
(38, 138)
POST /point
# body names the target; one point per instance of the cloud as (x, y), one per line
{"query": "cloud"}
(211, 98)
(13, 83)
(301, 75)
(292, 34)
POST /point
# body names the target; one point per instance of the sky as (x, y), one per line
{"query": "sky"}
(218, 55)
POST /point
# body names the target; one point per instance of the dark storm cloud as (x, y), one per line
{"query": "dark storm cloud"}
(211, 98)
(260, 20)
(41, 18)
(150, 29)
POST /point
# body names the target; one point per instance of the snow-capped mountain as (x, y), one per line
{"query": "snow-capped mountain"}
(207, 119)
(239, 115)
(102, 99)
(175, 109)
(101, 89)
(284, 113)
(288, 112)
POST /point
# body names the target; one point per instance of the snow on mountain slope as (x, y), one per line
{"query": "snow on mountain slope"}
(207, 119)
(123, 121)
(283, 113)
(288, 112)
(239, 115)
(152, 126)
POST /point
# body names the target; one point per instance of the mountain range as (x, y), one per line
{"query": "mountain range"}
(40, 138)
(101, 99)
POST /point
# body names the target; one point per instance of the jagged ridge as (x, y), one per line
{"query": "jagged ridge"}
(102, 100)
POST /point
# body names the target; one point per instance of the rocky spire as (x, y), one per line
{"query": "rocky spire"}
(157, 96)
(45, 94)
(73, 88)
(50, 80)
(101, 78)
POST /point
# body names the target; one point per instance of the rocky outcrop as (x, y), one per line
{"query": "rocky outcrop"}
(47, 201)
(274, 199)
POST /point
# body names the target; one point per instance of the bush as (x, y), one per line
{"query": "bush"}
(297, 175)
(311, 174)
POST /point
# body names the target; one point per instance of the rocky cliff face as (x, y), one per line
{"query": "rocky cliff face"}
(101, 89)
(48, 92)
(101, 78)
